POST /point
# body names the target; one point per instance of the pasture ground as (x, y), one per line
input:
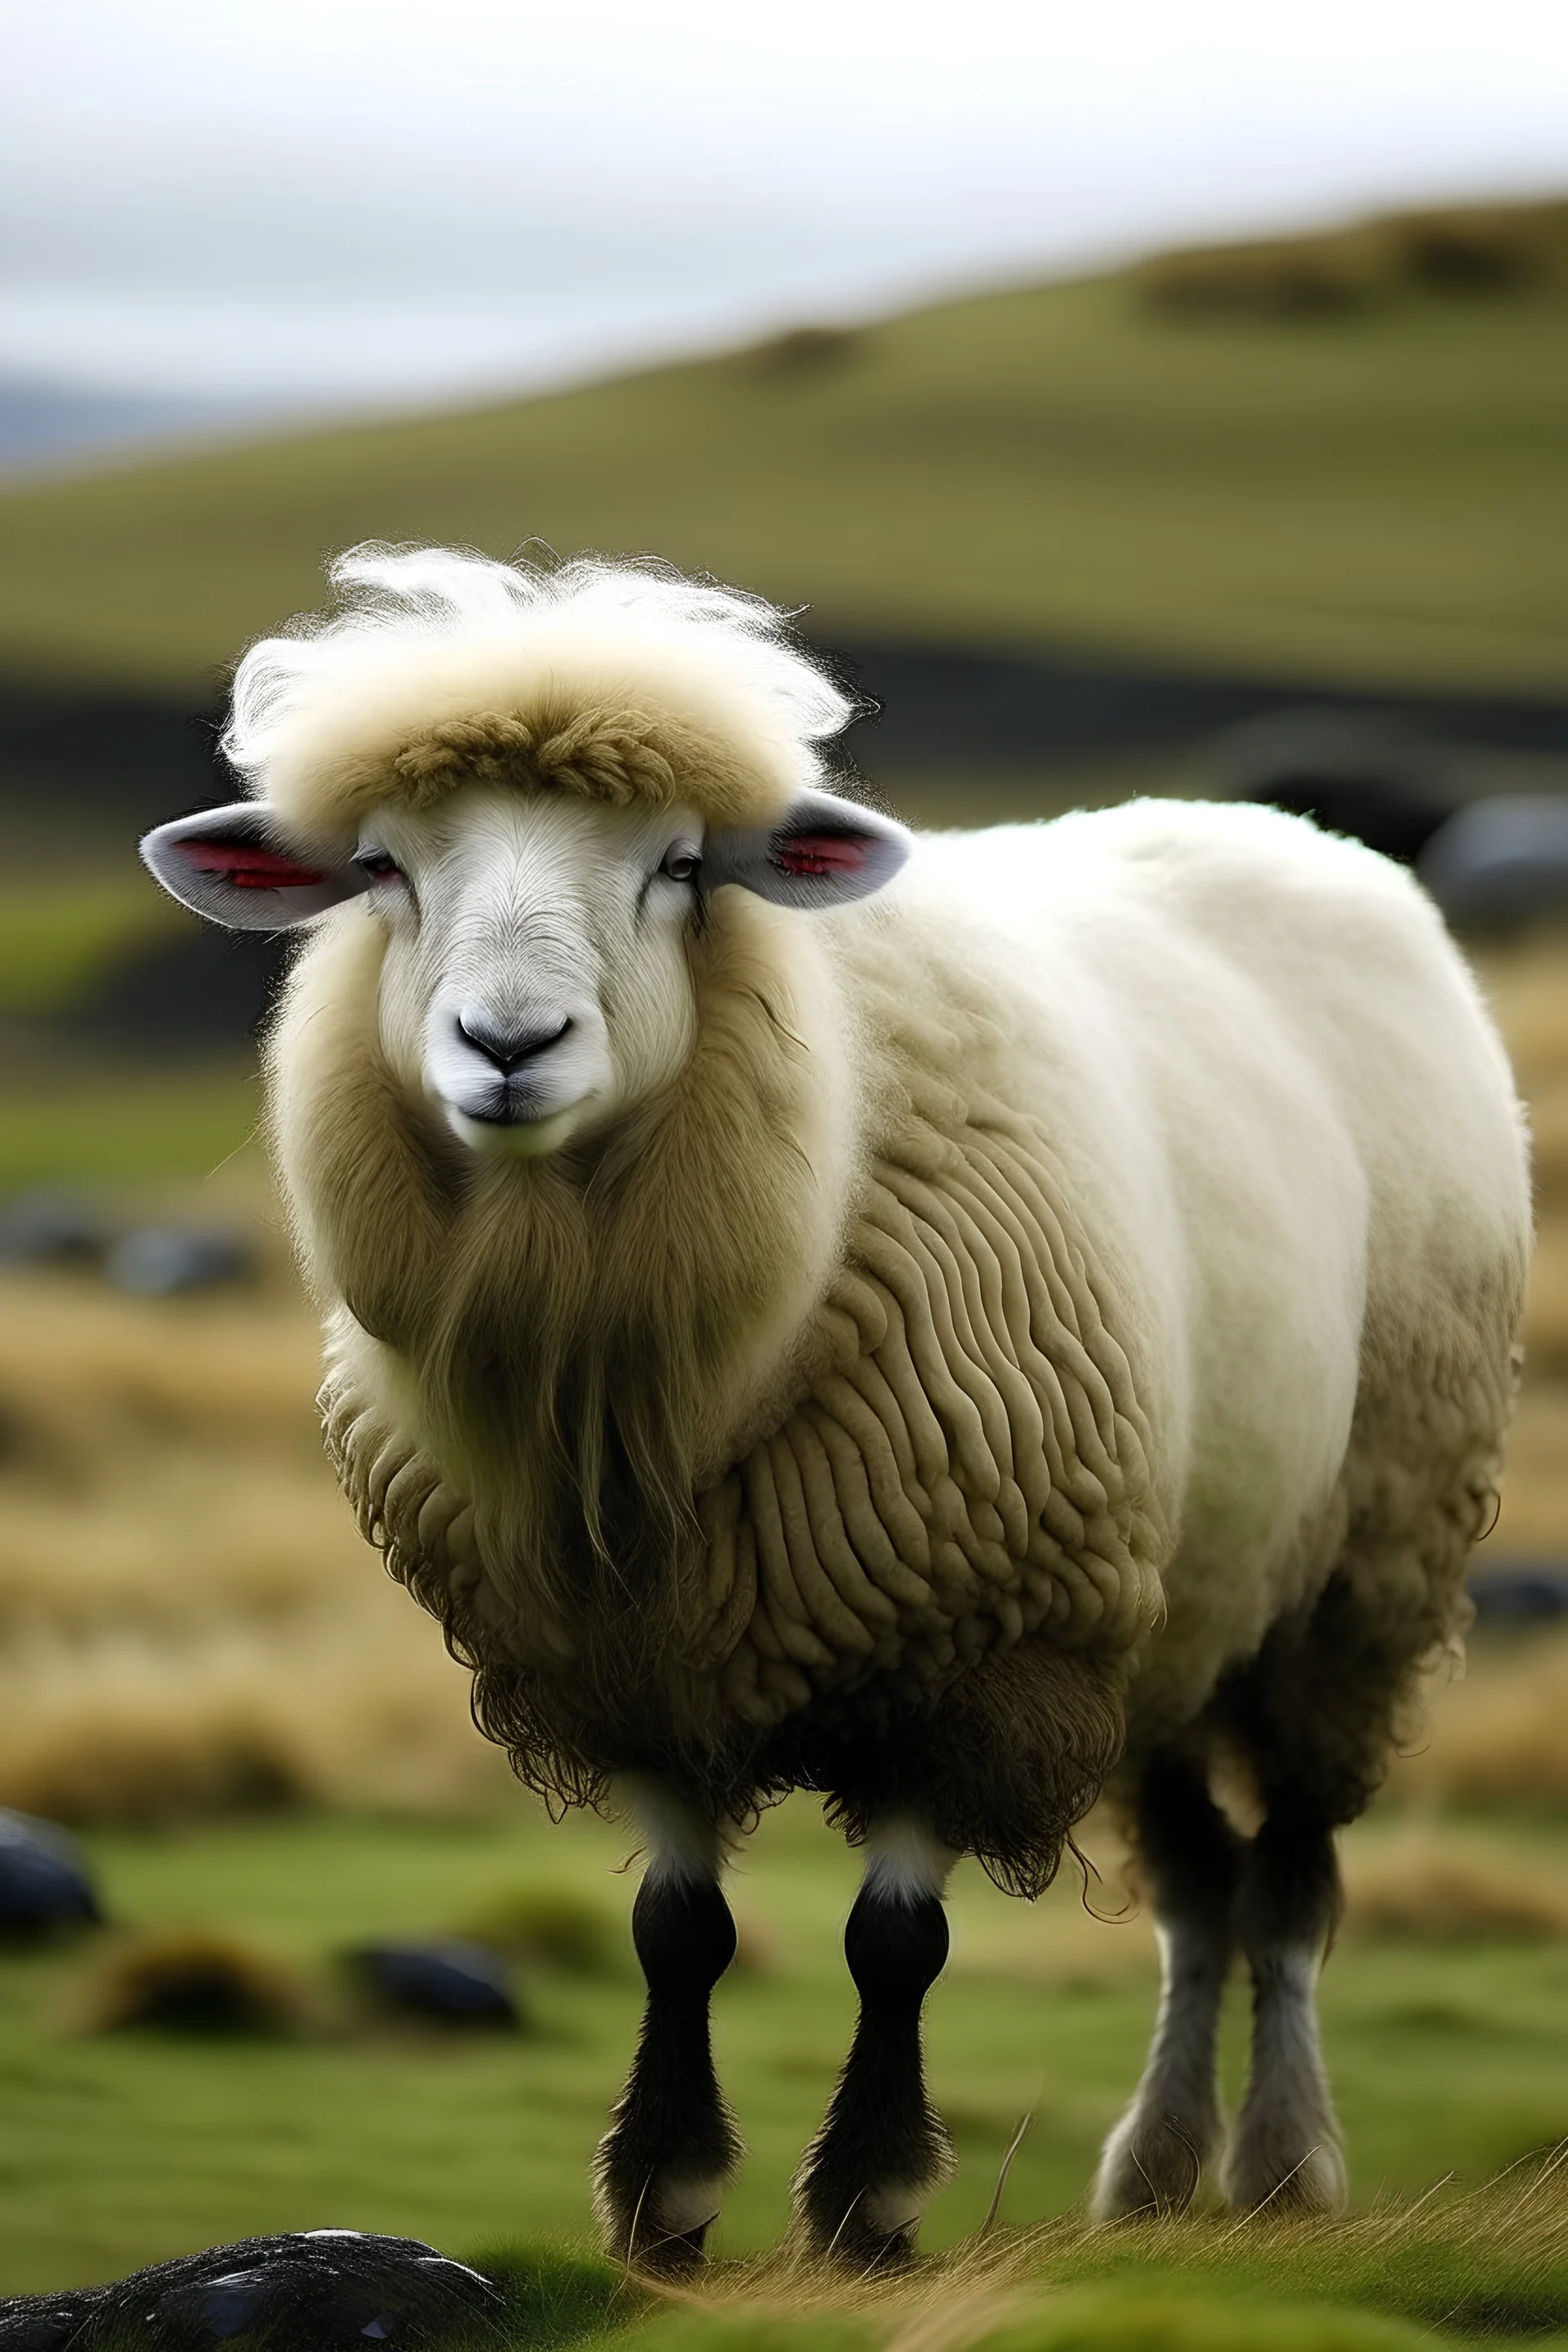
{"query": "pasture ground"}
(1445, 2042)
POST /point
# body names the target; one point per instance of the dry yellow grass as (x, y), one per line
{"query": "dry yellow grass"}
(1528, 987)
(187, 1616)
(1485, 2265)
(1413, 1879)
(188, 1619)
(1425, 1883)
(1500, 1735)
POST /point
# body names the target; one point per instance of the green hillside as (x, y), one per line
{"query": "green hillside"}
(1364, 479)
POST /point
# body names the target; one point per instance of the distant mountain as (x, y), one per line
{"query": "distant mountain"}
(42, 424)
(1339, 460)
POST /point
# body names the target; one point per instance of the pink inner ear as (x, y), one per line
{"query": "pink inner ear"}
(246, 867)
(820, 852)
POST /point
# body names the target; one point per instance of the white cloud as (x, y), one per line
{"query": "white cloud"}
(213, 185)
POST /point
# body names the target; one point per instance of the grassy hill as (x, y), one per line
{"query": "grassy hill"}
(1341, 459)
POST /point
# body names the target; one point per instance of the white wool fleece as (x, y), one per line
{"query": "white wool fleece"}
(1179, 1242)
(1286, 1117)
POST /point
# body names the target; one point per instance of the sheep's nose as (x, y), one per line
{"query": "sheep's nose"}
(508, 1049)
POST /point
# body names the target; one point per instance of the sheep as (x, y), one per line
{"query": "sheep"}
(959, 1324)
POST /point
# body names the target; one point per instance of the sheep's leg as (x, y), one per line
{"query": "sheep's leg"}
(1155, 2156)
(1284, 2149)
(882, 2151)
(672, 2144)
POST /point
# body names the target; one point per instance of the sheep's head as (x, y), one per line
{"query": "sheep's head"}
(533, 777)
(536, 980)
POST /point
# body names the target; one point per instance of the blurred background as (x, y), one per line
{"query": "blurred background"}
(1133, 399)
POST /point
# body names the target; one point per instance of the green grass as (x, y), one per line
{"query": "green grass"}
(69, 1117)
(56, 936)
(553, 2300)
(1159, 2315)
(94, 1127)
(124, 2149)
(1380, 495)
(1163, 2318)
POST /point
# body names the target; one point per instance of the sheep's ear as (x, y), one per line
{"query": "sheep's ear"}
(825, 853)
(235, 867)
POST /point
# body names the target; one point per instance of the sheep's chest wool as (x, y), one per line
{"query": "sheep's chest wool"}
(961, 1461)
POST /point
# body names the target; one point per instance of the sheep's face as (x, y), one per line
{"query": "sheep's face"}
(536, 982)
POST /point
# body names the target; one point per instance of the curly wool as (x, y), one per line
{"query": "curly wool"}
(967, 1467)
(971, 1465)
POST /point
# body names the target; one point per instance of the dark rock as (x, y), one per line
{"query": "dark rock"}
(161, 1261)
(1501, 863)
(43, 1879)
(1384, 816)
(447, 1983)
(1520, 1592)
(1378, 782)
(44, 2322)
(55, 1228)
(51, 1228)
(320, 2291)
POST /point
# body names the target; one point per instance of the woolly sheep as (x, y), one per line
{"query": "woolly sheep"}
(956, 1323)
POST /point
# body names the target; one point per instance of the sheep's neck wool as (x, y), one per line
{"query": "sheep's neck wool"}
(959, 1461)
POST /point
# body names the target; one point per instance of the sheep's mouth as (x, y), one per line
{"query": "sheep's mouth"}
(510, 1128)
(506, 1106)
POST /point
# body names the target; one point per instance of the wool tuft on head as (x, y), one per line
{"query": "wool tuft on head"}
(621, 681)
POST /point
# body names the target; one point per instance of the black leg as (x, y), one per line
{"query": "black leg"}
(672, 2143)
(882, 2150)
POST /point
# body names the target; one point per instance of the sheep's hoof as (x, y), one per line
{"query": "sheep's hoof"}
(1150, 2168)
(679, 2255)
(654, 2219)
(861, 2250)
(895, 2253)
(667, 2244)
(1261, 2173)
(875, 2232)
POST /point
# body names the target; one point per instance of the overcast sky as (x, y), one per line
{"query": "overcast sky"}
(355, 200)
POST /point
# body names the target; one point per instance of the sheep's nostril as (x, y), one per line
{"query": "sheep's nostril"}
(508, 1049)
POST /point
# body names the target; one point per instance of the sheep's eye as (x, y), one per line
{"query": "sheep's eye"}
(680, 864)
(379, 865)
